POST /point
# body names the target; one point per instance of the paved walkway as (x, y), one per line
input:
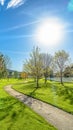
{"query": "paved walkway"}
(60, 119)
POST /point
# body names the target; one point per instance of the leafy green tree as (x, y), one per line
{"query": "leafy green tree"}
(61, 59)
(34, 65)
(46, 63)
(2, 66)
(71, 68)
(4, 62)
(67, 71)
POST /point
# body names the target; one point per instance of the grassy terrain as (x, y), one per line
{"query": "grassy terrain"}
(54, 93)
(16, 116)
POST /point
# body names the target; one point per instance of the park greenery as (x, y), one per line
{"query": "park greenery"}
(54, 93)
(14, 115)
(44, 65)
(39, 65)
(5, 63)
(36, 81)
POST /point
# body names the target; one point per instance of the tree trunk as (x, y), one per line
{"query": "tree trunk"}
(61, 77)
(37, 82)
(45, 79)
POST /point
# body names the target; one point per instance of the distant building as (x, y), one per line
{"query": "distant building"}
(16, 74)
(13, 74)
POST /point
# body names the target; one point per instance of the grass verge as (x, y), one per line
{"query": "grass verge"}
(14, 115)
(53, 93)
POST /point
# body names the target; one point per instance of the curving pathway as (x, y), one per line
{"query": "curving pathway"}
(60, 119)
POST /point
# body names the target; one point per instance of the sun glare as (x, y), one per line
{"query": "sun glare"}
(49, 32)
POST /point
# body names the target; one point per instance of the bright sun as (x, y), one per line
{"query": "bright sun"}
(49, 32)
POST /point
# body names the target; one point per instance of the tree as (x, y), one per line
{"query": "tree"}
(8, 62)
(61, 59)
(67, 71)
(2, 66)
(34, 65)
(46, 62)
(23, 75)
(71, 70)
(4, 62)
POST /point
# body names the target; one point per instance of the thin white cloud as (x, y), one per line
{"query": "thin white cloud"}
(2, 2)
(18, 36)
(20, 26)
(15, 3)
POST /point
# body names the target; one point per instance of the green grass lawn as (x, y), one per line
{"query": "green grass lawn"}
(54, 93)
(14, 115)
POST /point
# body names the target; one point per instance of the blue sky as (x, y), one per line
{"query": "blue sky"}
(19, 20)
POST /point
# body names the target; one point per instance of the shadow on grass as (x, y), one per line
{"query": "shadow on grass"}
(33, 92)
(28, 98)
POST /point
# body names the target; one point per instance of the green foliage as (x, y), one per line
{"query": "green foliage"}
(14, 115)
(67, 93)
(53, 93)
(34, 65)
(61, 59)
(4, 64)
(46, 63)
